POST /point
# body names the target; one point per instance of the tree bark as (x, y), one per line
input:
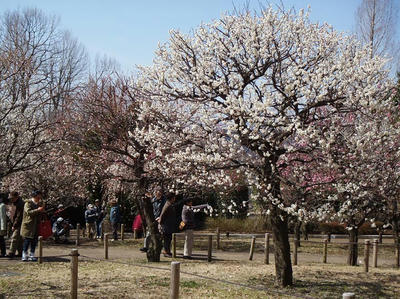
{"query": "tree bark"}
(353, 248)
(395, 223)
(283, 265)
(154, 250)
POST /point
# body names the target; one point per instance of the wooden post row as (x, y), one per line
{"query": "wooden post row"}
(375, 252)
(173, 245)
(122, 231)
(209, 256)
(40, 240)
(325, 257)
(398, 253)
(266, 249)
(74, 273)
(218, 237)
(106, 246)
(366, 255)
(78, 232)
(175, 275)
(252, 245)
(295, 252)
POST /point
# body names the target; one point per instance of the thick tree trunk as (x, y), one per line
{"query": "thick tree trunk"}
(395, 223)
(154, 249)
(353, 247)
(283, 266)
(297, 232)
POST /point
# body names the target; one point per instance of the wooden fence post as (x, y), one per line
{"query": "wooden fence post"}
(209, 256)
(266, 249)
(102, 230)
(325, 257)
(218, 237)
(398, 253)
(252, 245)
(78, 232)
(173, 245)
(227, 235)
(349, 295)
(40, 258)
(106, 246)
(329, 237)
(375, 252)
(366, 255)
(122, 231)
(295, 252)
(175, 273)
(135, 234)
(74, 273)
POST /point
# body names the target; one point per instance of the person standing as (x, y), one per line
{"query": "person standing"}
(115, 218)
(158, 203)
(99, 218)
(3, 226)
(33, 208)
(17, 205)
(168, 223)
(189, 224)
(90, 218)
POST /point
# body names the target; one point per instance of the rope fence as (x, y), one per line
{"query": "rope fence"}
(175, 266)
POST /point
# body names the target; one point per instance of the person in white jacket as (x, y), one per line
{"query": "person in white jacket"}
(189, 224)
(3, 226)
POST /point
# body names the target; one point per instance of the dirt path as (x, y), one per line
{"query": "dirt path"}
(129, 250)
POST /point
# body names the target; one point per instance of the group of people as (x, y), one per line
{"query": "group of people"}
(164, 210)
(95, 214)
(24, 219)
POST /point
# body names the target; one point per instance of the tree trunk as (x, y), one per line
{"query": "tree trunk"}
(395, 222)
(297, 232)
(154, 250)
(353, 248)
(283, 265)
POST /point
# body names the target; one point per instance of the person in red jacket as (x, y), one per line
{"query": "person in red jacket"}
(137, 225)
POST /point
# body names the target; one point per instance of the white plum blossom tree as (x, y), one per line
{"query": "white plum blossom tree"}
(260, 89)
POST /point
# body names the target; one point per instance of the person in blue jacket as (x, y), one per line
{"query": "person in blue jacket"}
(115, 218)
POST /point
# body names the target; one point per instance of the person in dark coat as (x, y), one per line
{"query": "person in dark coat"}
(189, 224)
(167, 223)
(17, 205)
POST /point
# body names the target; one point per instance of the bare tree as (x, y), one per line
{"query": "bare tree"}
(40, 67)
(376, 22)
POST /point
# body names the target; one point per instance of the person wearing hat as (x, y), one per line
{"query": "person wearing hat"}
(33, 208)
(90, 218)
(17, 208)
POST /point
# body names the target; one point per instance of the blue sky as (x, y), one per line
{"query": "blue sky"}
(130, 31)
